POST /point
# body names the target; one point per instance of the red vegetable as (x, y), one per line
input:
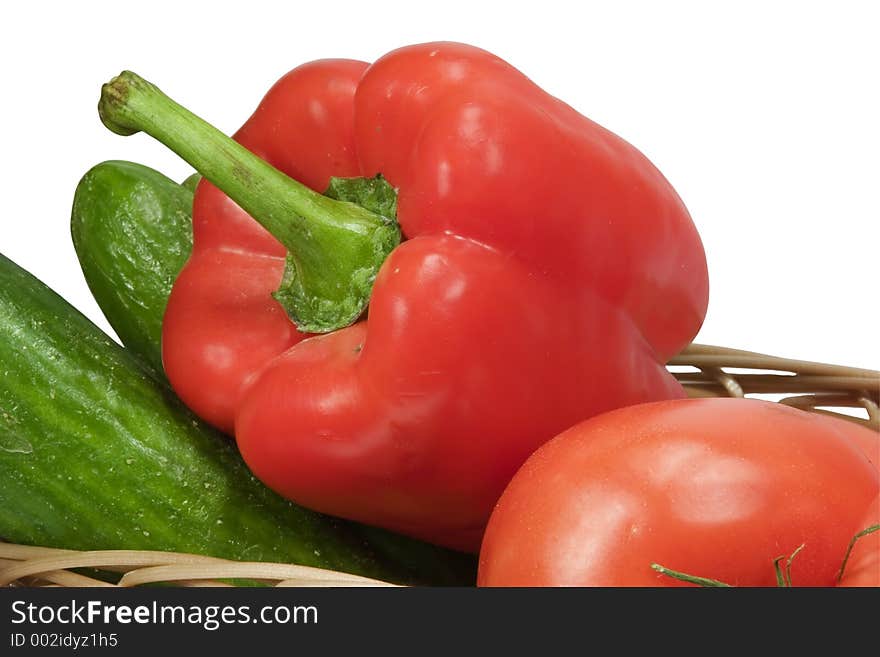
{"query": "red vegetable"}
(714, 488)
(549, 272)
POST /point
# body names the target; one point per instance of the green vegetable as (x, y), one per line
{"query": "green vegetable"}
(96, 453)
(191, 182)
(132, 230)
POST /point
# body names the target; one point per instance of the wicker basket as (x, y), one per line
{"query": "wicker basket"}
(705, 371)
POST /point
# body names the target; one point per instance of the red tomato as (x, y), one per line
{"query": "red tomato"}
(867, 440)
(716, 488)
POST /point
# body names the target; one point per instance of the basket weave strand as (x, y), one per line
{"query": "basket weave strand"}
(807, 385)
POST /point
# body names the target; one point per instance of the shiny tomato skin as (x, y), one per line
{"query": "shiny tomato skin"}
(715, 488)
(867, 440)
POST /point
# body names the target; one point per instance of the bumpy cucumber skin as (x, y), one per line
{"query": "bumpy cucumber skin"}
(96, 453)
(132, 231)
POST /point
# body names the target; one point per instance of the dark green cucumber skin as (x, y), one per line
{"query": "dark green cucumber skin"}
(97, 453)
(132, 231)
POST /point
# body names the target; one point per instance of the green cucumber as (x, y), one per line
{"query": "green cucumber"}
(97, 453)
(132, 231)
(191, 182)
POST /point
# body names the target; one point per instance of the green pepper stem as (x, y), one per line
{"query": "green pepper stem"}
(335, 248)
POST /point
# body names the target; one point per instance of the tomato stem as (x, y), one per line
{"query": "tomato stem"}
(783, 579)
(692, 579)
(852, 543)
(780, 577)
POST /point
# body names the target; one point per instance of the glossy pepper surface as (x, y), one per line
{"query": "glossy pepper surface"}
(548, 272)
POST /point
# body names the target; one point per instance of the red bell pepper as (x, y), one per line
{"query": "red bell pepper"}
(548, 273)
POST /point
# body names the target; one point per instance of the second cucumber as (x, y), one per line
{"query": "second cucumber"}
(132, 230)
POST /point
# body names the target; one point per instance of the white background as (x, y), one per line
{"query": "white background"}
(764, 116)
